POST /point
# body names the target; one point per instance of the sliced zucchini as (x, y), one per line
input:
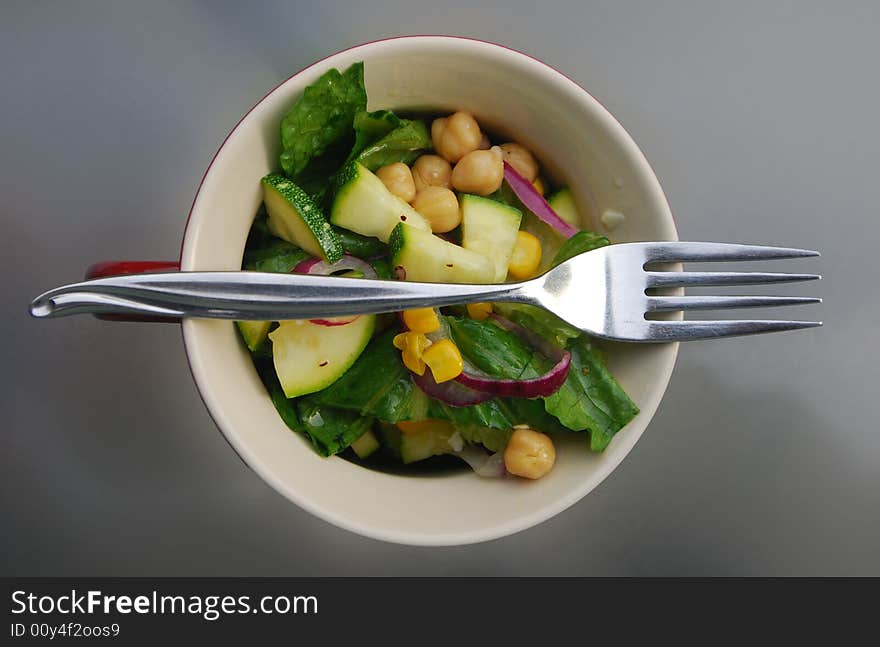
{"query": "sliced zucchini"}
(562, 202)
(295, 217)
(489, 227)
(364, 205)
(309, 357)
(429, 439)
(254, 333)
(426, 257)
(366, 444)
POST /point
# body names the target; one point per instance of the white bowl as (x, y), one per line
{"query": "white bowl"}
(577, 141)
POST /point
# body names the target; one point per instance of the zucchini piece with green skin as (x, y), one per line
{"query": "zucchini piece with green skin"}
(424, 443)
(562, 202)
(364, 205)
(309, 357)
(294, 217)
(426, 257)
(254, 333)
(489, 227)
(366, 444)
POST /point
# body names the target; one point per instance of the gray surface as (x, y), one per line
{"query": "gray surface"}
(761, 122)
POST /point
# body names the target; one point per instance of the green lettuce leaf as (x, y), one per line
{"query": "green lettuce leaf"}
(496, 351)
(403, 144)
(331, 430)
(540, 321)
(322, 117)
(370, 127)
(286, 408)
(590, 398)
(582, 241)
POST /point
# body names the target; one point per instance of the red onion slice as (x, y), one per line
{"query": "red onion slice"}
(535, 202)
(451, 393)
(318, 267)
(541, 386)
(335, 321)
(323, 268)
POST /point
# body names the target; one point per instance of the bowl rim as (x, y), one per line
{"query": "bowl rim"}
(519, 523)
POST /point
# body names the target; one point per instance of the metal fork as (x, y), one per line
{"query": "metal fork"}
(603, 292)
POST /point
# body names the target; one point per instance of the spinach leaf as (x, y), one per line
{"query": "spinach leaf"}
(494, 440)
(403, 144)
(318, 177)
(496, 351)
(582, 241)
(286, 408)
(323, 116)
(276, 256)
(369, 127)
(331, 430)
(590, 398)
(540, 321)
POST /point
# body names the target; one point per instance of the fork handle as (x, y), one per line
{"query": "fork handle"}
(259, 296)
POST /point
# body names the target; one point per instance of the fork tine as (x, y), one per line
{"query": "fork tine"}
(696, 252)
(677, 279)
(685, 330)
(715, 302)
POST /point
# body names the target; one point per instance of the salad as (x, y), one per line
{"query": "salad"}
(410, 198)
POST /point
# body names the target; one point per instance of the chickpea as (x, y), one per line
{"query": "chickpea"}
(479, 172)
(431, 170)
(529, 453)
(485, 144)
(522, 161)
(399, 180)
(439, 206)
(456, 136)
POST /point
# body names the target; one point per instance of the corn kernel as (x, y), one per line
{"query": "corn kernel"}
(421, 320)
(412, 345)
(479, 311)
(399, 341)
(539, 185)
(526, 256)
(444, 360)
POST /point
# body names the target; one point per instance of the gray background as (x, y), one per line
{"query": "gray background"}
(760, 119)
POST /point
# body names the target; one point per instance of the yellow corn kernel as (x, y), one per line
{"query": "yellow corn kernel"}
(399, 341)
(429, 425)
(444, 360)
(421, 320)
(479, 311)
(413, 345)
(539, 185)
(526, 256)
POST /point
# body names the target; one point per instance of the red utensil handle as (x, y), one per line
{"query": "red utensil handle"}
(120, 268)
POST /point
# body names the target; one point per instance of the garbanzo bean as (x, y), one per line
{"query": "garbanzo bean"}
(521, 159)
(431, 170)
(479, 172)
(456, 136)
(439, 206)
(399, 180)
(529, 453)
